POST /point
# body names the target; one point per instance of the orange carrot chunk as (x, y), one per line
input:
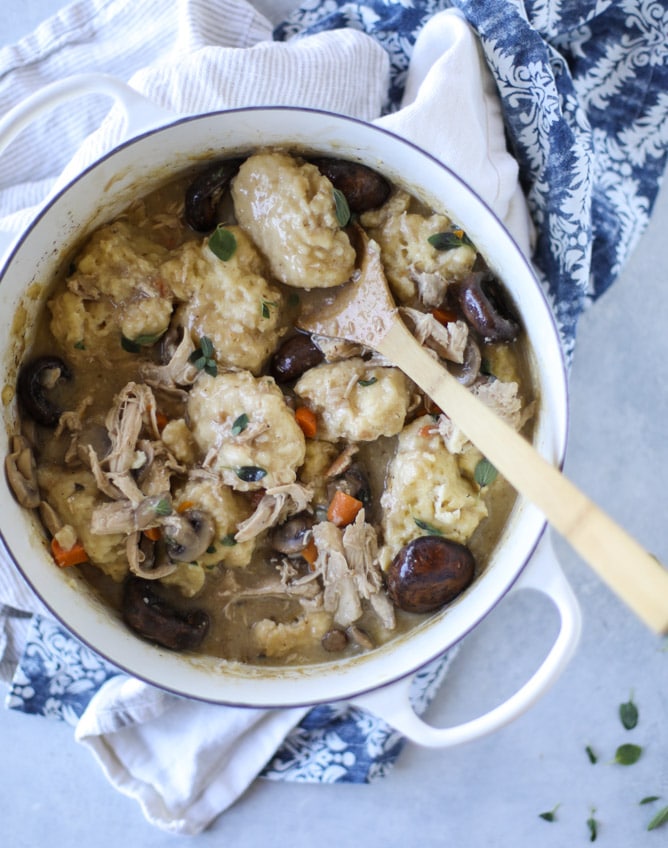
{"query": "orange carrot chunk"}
(444, 316)
(343, 509)
(153, 533)
(310, 552)
(161, 420)
(307, 420)
(65, 557)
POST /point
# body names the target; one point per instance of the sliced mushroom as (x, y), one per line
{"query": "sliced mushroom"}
(152, 618)
(148, 559)
(50, 518)
(36, 379)
(205, 192)
(21, 473)
(360, 637)
(481, 301)
(468, 371)
(364, 188)
(188, 534)
(291, 537)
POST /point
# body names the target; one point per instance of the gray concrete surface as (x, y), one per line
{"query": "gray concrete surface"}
(490, 792)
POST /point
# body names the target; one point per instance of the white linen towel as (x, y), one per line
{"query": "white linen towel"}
(189, 57)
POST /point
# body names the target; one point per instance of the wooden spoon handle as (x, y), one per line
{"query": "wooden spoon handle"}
(637, 577)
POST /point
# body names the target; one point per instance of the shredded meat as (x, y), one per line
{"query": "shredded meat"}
(277, 504)
(448, 340)
(177, 373)
(347, 564)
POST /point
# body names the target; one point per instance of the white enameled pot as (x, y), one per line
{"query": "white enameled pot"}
(159, 146)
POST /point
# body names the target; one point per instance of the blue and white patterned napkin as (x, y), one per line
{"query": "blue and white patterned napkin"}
(583, 92)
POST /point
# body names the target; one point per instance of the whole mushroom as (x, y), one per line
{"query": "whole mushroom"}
(152, 618)
(482, 304)
(428, 573)
(36, 379)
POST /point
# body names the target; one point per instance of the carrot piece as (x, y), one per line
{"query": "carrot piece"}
(427, 430)
(343, 509)
(161, 420)
(184, 506)
(153, 533)
(444, 316)
(65, 557)
(307, 420)
(310, 552)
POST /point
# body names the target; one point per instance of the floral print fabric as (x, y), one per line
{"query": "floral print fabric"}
(584, 90)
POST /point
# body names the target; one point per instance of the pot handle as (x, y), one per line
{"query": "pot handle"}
(140, 113)
(392, 702)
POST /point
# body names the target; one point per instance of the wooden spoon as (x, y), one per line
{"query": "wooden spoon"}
(363, 311)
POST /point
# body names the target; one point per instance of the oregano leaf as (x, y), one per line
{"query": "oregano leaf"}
(550, 815)
(628, 714)
(223, 243)
(627, 755)
(341, 208)
(659, 819)
(240, 424)
(428, 528)
(485, 473)
(251, 473)
(450, 240)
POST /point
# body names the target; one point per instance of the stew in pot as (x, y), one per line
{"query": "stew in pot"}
(229, 484)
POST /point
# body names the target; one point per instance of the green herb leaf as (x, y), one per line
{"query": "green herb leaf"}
(449, 240)
(81, 346)
(592, 756)
(203, 358)
(650, 799)
(222, 243)
(428, 528)
(550, 815)
(211, 549)
(251, 473)
(341, 208)
(486, 367)
(592, 824)
(228, 541)
(628, 713)
(129, 346)
(485, 473)
(206, 346)
(368, 382)
(163, 507)
(627, 755)
(660, 818)
(240, 424)
(145, 340)
(266, 304)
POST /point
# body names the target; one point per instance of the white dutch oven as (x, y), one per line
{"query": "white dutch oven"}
(161, 146)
